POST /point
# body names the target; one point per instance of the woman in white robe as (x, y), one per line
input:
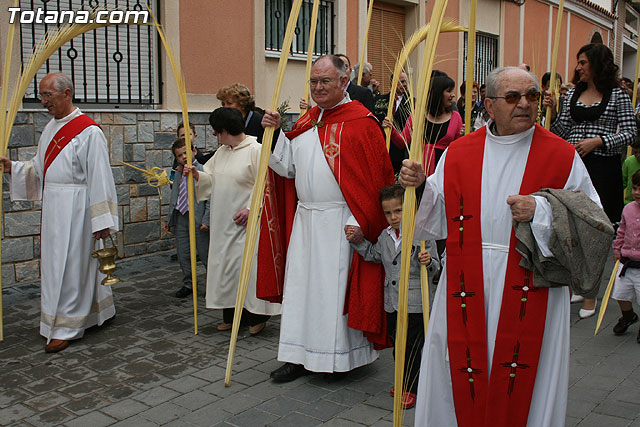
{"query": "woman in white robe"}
(227, 180)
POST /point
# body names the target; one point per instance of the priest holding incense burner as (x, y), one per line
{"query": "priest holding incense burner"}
(497, 349)
(79, 204)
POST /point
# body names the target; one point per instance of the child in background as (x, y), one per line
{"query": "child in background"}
(198, 155)
(388, 252)
(630, 166)
(626, 248)
(178, 220)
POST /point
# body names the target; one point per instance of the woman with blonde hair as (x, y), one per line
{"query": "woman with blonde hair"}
(239, 97)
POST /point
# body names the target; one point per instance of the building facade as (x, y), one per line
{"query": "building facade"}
(124, 80)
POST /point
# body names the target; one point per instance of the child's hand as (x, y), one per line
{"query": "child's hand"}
(616, 257)
(354, 234)
(424, 258)
(186, 169)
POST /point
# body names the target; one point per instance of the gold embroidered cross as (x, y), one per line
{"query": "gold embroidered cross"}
(56, 143)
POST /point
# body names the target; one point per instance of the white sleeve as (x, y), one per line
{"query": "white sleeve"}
(93, 156)
(281, 160)
(25, 181)
(431, 219)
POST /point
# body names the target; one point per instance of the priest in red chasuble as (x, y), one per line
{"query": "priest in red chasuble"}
(333, 162)
(497, 348)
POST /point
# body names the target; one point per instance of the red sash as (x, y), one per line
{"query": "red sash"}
(63, 137)
(505, 398)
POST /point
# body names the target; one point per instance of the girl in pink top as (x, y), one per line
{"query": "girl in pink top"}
(626, 248)
(442, 126)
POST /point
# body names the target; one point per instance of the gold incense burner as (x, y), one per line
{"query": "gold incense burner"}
(107, 259)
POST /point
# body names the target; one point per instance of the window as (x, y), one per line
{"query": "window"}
(110, 65)
(486, 56)
(276, 17)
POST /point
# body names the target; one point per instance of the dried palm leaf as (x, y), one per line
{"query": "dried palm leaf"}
(258, 191)
(182, 92)
(312, 42)
(409, 204)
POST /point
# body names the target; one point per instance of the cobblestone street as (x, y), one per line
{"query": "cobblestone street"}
(147, 368)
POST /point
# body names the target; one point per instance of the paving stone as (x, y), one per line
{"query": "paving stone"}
(281, 406)
(124, 409)
(147, 382)
(347, 397)
(252, 418)
(306, 393)
(296, 419)
(195, 399)
(12, 396)
(85, 404)
(44, 385)
(340, 422)
(186, 384)
(15, 413)
(212, 373)
(251, 377)
(155, 396)
(136, 421)
(164, 413)
(81, 389)
(616, 408)
(207, 416)
(599, 420)
(118, 392)
(322, 409)
(382, 400)
(53, 416)
(364, 414)
(93, 419)
(46, 401)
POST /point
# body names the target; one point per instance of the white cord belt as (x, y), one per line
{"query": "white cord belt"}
(495, 247)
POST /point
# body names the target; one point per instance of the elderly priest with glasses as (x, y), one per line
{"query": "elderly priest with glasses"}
(333, 301)
(71, 174)
(497, 348)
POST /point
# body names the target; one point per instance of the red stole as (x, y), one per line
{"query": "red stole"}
(505, 398)
(63, 137)
(349, 134)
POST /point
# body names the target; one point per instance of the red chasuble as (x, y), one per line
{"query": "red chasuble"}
(504, 398)
(355, 150)
(63, 137)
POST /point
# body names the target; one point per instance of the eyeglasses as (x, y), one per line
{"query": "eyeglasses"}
(45, 95)
(513, 97)
(322, 82)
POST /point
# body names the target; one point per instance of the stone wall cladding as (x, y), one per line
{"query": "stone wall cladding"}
(143, 139)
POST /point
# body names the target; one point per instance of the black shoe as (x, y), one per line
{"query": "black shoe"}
(183, 292)
(288, 372)
(623, 323)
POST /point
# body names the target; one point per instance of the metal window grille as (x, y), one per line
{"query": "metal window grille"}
(486, 56)
(110, 65)
(276, 17)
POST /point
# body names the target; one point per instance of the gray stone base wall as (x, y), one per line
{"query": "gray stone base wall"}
(142, 139)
